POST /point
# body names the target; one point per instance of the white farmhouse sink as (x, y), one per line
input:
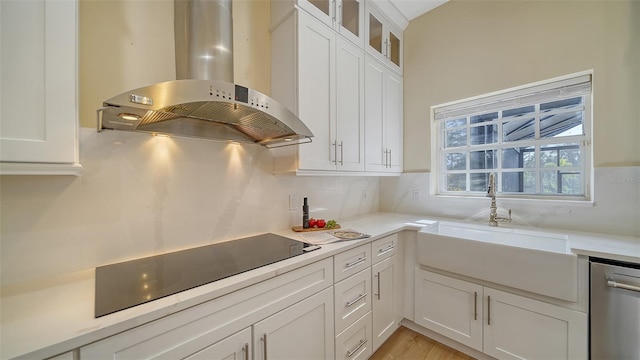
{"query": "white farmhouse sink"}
(534, 261)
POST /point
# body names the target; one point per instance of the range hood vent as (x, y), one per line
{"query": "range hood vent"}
(204, 102)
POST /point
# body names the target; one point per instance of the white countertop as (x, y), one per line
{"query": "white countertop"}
(51, 316)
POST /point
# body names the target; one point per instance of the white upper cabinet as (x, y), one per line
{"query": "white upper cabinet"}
(383, 38)
(320, 70)
(38, 97)
(321, 78)
(383, 118)
(316, 93)
(346, 17)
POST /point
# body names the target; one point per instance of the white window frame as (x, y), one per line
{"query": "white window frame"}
(521, 96)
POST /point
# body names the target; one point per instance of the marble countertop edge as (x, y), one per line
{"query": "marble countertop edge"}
(33, 329)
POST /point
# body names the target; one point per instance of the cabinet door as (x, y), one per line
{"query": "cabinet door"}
(393, 121)
(323, 10)
(383, 118)
(384, 285)
(520, 328)
(375, 153)
(350, 106)
(38, 111)
(394, 48)
(350, 14)
(66, 356)
(316, 91)
(235, 347)
(375, 40)
(383, 40)
(450, 307)
(302, 331)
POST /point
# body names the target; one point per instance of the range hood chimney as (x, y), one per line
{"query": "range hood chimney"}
(204, 102)
(204, 39)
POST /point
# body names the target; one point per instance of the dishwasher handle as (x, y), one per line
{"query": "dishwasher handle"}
(615, 284)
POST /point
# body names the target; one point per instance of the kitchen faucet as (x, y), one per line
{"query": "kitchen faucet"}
(491, 192)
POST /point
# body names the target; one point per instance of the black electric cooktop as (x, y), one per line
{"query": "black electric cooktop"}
(126, 284)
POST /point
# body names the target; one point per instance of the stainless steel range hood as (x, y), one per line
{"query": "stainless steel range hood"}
(204, 102)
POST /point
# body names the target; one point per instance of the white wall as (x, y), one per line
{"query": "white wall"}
(141, 195)
(469, 48)
(615, 211)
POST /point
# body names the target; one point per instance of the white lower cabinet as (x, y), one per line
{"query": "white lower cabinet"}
(302, 331)
(352, 299)
(235, 347)
(355, 342)
(385, 300)
(368, 298)
(66, 356)
(522, 328)
(500, 324)
(294, 309)
(450, 307)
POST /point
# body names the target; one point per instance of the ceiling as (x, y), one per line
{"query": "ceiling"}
(411, 9)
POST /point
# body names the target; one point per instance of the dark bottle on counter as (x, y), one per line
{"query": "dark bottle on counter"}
(305, 214)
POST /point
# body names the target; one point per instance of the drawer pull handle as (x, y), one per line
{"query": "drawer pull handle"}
(614, 284)
(386, 250)
(350, 303)
(361, 344)
(359, 261)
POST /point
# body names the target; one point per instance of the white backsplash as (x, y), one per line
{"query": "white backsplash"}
(141, 195)
(616, 209)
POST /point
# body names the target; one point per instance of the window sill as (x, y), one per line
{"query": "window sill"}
(527, 200)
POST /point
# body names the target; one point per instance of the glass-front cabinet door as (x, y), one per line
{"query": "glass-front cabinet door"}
(350, 20)
(375, 34)
(344, 16)
(322, 5)
(323, 10)
(393, 46)
(383, 39)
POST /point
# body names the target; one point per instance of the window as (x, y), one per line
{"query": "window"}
(535, 138)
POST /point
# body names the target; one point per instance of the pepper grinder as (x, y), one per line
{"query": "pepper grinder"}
(305, 214)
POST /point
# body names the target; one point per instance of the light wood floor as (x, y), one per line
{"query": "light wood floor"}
(406, 344)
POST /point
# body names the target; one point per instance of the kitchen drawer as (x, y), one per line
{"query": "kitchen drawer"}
(188, 331)
(384, 248)
(352, 299)
(351, 261)
(355, 342)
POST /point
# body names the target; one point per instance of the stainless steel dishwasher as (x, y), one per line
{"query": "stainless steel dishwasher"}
(614, 310)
